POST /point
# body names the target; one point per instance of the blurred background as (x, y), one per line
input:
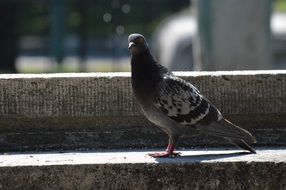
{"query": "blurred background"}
(43, 36)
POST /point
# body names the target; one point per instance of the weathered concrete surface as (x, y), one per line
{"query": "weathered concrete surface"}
(59, 97)
(98, 110)
(129, 138)
(196, 169)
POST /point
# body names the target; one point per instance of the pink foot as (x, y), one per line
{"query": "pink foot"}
(169, 153)
(165, 154)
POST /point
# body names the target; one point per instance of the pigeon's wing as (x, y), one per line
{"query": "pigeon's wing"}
(182, 102)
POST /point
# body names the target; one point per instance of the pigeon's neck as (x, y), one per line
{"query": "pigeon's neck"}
(146, 74)
(144, 66)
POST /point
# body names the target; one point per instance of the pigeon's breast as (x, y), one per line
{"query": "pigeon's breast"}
(144, 89)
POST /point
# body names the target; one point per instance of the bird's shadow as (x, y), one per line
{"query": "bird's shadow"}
(201, 157)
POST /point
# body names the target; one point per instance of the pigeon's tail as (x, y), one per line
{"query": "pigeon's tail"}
(242, 144)
(236, 135)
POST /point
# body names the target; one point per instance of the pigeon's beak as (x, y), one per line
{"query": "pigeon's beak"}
(131, 45)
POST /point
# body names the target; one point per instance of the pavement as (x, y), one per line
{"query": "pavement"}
(133, 157)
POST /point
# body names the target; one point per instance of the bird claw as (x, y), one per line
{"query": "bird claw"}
(164, 154)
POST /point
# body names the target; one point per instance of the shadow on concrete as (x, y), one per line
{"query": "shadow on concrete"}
(201, 157)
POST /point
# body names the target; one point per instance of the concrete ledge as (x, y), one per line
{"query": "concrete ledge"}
(90, 110)
(56, 97)
(196, 169)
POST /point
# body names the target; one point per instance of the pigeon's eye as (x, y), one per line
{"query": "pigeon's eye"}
(141, 40)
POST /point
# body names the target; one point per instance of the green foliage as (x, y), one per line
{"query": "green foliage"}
(280, 5)
(33, 17)
(133, 16)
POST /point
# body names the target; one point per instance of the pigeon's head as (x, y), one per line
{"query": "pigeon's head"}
(137, 44)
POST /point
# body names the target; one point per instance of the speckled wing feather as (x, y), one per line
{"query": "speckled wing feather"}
(182, 102)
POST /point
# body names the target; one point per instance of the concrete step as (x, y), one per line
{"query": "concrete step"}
(195, 169)
(94, 110)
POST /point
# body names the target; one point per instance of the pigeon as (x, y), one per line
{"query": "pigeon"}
(175, 105)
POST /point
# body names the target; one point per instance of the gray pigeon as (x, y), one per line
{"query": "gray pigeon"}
(175, 105)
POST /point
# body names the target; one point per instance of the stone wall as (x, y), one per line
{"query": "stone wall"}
(92, 110)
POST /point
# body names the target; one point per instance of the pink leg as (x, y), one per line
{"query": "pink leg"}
(169, 153)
